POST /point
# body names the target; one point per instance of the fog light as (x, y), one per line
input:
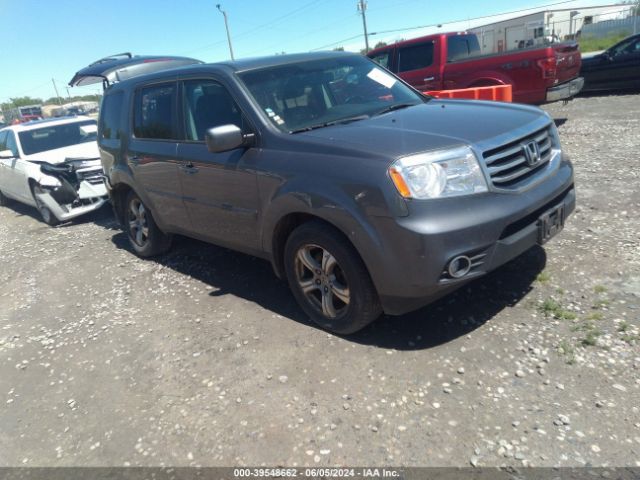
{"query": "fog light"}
(459, 266)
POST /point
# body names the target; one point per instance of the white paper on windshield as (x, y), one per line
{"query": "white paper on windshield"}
(382, 78)
(87, 129)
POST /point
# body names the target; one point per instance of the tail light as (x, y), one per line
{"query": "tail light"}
(548, 67)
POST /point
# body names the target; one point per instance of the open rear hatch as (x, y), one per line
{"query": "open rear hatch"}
(568, 61)
(123, 66)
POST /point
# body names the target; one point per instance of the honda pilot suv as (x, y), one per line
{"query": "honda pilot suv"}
(366, 195)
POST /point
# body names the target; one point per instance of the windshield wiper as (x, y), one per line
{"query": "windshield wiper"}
(341, 121)
(392, 108)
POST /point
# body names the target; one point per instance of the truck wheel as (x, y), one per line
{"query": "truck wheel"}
(144, 235)
(329, 280)
(47, 215)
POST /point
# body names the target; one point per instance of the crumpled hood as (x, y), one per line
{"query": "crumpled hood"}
(59, 155)
(437, 124)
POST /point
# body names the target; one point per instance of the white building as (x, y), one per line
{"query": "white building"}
(544, 26)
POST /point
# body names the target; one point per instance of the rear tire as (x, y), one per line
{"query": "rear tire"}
(144, 236)
(47, 215)
(329, 280)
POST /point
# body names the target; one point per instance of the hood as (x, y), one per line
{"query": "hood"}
(438, 124)
(59, 155)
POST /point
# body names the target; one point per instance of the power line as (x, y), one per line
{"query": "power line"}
(259, 27)
(334, 23)
(336, 43)
(468, 19)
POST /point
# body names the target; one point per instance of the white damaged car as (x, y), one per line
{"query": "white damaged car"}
(53, 165)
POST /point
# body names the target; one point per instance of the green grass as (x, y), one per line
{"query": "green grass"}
(543, 277)
(595, 316)
(551, 308)
(594, 44)
(623, 326)
(599, 289)
(566, 349)
(600, 304)
(591, 338)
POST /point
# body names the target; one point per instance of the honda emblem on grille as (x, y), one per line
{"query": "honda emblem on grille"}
(531, 153)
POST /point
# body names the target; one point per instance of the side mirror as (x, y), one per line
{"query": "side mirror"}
(6, 155)
(227, 137)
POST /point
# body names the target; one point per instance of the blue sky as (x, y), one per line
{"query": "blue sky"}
(45, 39)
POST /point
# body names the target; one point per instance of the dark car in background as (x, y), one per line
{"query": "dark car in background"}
(364, 194)
(616, 68)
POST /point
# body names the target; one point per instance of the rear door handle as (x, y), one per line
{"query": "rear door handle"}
(135, 160)
(429, 79)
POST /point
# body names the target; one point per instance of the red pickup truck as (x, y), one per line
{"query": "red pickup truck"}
(452, 60)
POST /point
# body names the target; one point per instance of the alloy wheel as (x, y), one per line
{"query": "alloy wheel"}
(322, 281)
(138, 225)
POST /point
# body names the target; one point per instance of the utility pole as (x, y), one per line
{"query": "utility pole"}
(362, 7)
(226, 26)
(57, 94)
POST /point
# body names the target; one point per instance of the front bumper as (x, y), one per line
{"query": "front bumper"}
(566, 90)
(494, 227)
(91, 197)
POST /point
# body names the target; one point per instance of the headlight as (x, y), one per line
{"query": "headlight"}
(443, 173)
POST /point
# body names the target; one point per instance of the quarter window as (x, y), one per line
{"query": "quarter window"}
(110, 125)
(208, 104)
(415, 57)
(154, 115)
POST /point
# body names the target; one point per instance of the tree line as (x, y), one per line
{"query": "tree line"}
(24, 101)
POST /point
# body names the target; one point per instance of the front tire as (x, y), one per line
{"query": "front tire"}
(329, 280)
(47, 215)
(145, 237)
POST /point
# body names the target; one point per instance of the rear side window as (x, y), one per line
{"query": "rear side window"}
(155, 112)
(461, 47)
(3, 140)
(110, 115)
(415, 57)
(382, 59)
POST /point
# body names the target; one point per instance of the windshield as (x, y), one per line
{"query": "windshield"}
(51, 137)
(314, 93)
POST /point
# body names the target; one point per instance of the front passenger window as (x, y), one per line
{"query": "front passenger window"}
(208, 104)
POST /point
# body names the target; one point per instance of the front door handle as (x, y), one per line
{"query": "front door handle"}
(135, 160)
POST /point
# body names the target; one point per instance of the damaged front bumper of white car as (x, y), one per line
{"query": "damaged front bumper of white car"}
(71, 189)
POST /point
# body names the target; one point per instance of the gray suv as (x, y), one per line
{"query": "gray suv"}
(366, 195)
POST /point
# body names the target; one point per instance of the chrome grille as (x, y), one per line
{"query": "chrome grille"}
(508, 165)
(94, 177)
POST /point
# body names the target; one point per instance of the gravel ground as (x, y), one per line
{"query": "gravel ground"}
(201, 357)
